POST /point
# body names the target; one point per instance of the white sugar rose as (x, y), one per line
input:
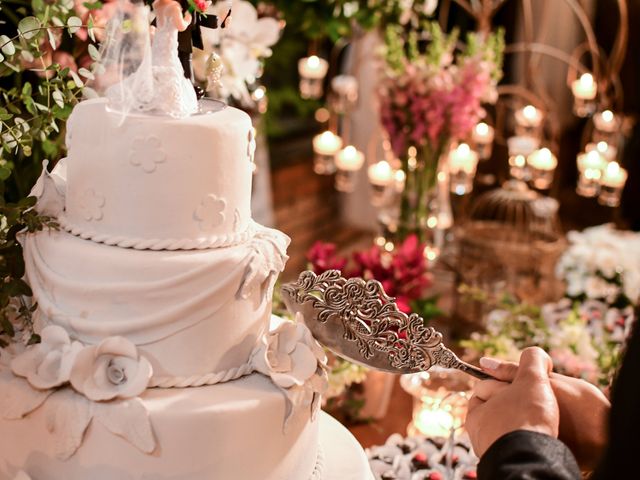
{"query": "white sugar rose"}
(111, 369)
(289, 355)
(49, 363)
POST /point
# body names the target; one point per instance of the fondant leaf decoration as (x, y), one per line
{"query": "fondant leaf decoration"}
(267, 259)
(68, 415)
(128, 419)
(18, 398)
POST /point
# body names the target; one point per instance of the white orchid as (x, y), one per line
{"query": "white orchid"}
(241, 46)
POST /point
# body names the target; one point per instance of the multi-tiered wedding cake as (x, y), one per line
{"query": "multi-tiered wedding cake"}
(159, 356)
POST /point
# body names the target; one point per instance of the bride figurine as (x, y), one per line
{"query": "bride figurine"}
(173, 92)
(151, 77)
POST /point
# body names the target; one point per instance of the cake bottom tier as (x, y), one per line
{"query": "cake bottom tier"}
(231, 431)
(341, 457)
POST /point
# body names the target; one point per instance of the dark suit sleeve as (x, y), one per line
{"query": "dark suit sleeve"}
(524, 455)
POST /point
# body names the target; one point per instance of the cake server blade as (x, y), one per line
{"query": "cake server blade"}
(358, 321)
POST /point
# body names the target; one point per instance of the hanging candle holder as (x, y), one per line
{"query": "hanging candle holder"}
(345, 89)
(325, 147)
(584, 91)
(312, 72)
(483, 135)
(463, 162)
(348, 161)
(607, 127)
(609, 152)
(542, 165)
(612, 184)
(382, 179)
(590, 165)
(529, 121)
(519, 149)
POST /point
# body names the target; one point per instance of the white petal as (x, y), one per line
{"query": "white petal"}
(54, 335)
(82, 368)
(305, 363)
(28, 361)
(283, 380)
(130, 420)
(117, 346)
(18, 398)
(68, 415)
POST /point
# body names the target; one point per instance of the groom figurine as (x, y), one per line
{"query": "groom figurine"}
(192, 37)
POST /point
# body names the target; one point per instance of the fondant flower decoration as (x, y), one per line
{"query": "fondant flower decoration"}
(50, 189)
(147, 153)
(295, 362)
(91, 205)
(210, 213)
(49, 363)
(111, 369)
(290, 355)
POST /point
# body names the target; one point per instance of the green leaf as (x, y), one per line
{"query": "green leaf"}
(8, 48)
(74, 24)
(86, 73)
(52, 38)
(5, 173)
(94, 53)
(58, 97)
(29, 27)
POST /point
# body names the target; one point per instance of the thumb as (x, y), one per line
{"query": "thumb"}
(499, 369)
(534, 364)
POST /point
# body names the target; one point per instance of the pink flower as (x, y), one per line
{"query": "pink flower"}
(323, 257)
(101, 17)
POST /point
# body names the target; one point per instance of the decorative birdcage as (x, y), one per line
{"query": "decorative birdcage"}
(511, 243)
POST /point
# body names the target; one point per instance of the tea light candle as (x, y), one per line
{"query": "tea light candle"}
(606, 122)
(348, 161)
(590, 165)
(585, 88)
(380, 174)
(543, 164)
(612, 184)
(312, 71)
(346, 90)
(609, 152)
(326, 145)
(614, 175)
(529, 116)
(483, 136)
(584, 91)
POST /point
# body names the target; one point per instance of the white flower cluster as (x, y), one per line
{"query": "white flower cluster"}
(602, 264)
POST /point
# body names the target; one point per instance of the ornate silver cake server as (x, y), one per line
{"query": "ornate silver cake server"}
(357, 320)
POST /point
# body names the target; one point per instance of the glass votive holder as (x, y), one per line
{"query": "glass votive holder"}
(483, 135)
(519, 149)
(312, 72)
(383, 184)
(609, 152)
(590, 165)
(348, 161)
(542, 165)
(607, 127)
(325, 147)
(611, 185)
(529, 120)
(584, 91)
(440, 401)
(463, 163)
(345, 89)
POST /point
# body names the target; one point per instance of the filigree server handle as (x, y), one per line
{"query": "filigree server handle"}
(473, 371)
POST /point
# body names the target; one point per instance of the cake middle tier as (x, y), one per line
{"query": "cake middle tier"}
(159, 183)
(189, 312)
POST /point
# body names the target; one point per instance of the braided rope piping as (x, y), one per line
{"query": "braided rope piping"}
(202, 380)
(158, 244)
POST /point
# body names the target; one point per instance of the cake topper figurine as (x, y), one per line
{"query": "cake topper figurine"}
(358, 321)
(147, 74)
(192, 36)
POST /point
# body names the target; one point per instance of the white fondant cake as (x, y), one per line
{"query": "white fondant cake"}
(159, 358)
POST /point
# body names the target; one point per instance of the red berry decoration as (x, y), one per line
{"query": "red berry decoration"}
(470, 475)
(435, 476)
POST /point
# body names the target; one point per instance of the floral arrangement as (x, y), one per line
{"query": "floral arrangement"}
(403, 272)
(242, 48)
(433, 97)
(585, 340)
(602, 263)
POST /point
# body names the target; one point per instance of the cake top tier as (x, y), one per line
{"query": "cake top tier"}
(156, 182)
